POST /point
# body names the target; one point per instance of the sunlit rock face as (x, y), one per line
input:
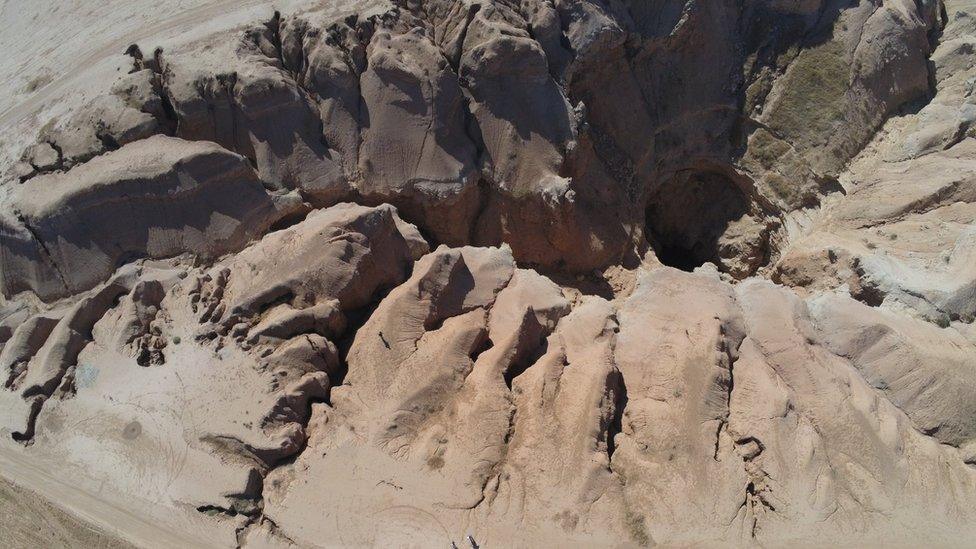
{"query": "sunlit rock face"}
(492, 272)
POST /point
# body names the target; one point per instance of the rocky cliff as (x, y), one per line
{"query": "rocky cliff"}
(542, 272)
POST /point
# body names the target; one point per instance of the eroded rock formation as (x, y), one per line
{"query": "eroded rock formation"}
(541, 272)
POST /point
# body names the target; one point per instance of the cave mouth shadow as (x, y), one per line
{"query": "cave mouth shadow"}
(686, 216)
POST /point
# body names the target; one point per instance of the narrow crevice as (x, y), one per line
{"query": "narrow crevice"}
(42, 247)
(274, 28)
(942, 19)
(731, 356)
(213, 510)
(108, 142)
(590, 284)
(862, 289)
(17, 370)
(484, 202)
(171, 119)
(722, 423)
(483, 345)
(355, 320)
(458, 52)
(260, 520)
(407, 209)
(523, 363)
(758, 495)
(26, 437)
(57, 149)
(168, 109)
(618, 386)
(290, 220)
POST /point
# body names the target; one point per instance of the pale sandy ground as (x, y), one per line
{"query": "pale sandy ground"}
(48, 44)
(27, 521)
(47, 503)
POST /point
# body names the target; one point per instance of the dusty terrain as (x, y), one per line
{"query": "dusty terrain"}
(28, 520)
(539, 272)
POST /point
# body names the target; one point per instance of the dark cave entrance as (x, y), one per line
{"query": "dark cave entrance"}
(687, 215)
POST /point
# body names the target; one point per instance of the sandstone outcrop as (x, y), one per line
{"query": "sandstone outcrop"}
(160, 197)
(487, 122)
(496, 273)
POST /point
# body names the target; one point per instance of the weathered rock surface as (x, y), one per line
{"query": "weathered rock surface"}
(901, 238)
(537, 272)
(159, 197)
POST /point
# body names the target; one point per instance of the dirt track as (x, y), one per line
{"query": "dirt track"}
(29, 521)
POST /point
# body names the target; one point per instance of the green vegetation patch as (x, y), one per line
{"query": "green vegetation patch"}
(813, 98)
